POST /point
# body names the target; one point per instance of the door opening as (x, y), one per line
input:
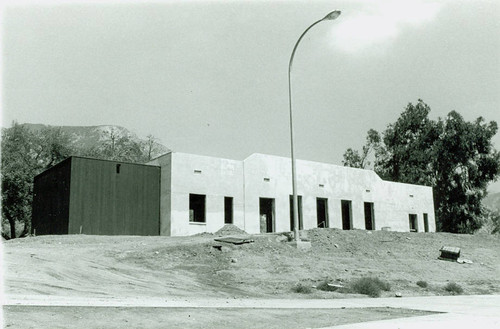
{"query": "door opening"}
(228, 210)
(322, 212)
(413, 223)
(346, 214)
(267, 222)
(369, 216)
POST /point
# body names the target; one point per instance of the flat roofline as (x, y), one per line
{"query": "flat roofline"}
(59, 164)
(162, 155)
(116, 161)
(370, 171)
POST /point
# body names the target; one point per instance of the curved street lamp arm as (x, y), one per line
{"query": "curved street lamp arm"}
(297, 44)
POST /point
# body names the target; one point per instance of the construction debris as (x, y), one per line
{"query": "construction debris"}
(464, 261)
(449, 253)
(335, 286)
(234, 240)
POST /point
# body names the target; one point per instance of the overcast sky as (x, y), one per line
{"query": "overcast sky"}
(211, 77)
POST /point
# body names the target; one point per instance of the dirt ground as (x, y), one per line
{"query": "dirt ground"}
(81, 265)
(24, 317)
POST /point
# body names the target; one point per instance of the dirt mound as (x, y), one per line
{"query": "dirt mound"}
(229, 229)
(269, 266)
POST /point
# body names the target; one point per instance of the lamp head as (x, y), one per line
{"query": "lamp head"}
(331, 16)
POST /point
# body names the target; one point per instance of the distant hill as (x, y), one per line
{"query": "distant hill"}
(492, 201)
(88, 136)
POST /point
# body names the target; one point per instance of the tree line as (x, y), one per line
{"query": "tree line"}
(455, 157)
(26, 153)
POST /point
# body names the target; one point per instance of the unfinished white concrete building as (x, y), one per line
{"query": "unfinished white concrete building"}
(201, 194)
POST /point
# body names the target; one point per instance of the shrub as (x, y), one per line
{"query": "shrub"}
(302, 289)
(369, 286)
(422, 284)
(453, 288)
(325, 287)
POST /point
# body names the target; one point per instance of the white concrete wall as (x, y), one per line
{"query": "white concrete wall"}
(218, 178)
(265, 176)
(392, 201)
(396, 201)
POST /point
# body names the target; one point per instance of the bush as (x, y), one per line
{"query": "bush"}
(325, 287)
(302, 289)
(453, 288)
(422, 284)
(369, 286)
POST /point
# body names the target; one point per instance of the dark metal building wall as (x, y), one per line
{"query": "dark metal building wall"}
(109, 201)
(50, 210)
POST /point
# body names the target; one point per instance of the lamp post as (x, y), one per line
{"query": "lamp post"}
(331, 16)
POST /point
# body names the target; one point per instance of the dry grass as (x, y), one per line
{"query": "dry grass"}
(370, 286)
(302, 289)
(453, 288)
(422, 284)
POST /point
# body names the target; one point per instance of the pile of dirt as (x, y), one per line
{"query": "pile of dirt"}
(230, 229)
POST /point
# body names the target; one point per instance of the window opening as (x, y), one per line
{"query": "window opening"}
(197, 208)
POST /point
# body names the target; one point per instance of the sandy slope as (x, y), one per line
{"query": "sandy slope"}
(82, 265)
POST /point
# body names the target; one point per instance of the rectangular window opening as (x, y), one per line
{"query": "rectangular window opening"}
(322, 212)
(118, 168)
(413, 223)
(369, 216)
(292, 224)
(197, 208)
(346, 214)
(228, 210)
(426, 223)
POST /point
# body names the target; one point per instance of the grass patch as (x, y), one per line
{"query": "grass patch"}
(302, 289)
(369, 286)
(453, 288)
(422, 284)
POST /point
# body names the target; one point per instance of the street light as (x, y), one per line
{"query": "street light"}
(331, 16)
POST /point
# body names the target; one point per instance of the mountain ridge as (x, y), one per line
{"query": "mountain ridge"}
(91, 136)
